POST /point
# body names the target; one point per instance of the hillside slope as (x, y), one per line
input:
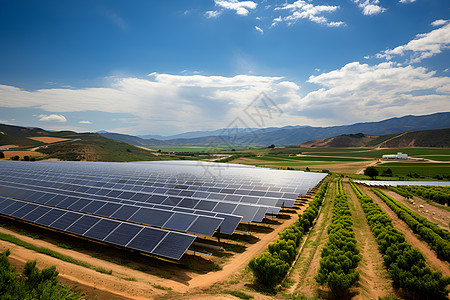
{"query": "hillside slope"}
(71, 145)
(427, 138)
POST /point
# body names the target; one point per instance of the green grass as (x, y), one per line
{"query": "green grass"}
(238, 294)
(160, 287)
(49, 252)
(437, 157)
(371, 153)
(191, 149)
(422, 169)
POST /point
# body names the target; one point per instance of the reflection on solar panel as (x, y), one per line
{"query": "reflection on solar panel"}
(117, 202)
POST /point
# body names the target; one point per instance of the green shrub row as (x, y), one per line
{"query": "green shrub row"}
(420, 225)
(272, 266)
(340, 256)
(31, 283)
(405, 264)
(439, 194)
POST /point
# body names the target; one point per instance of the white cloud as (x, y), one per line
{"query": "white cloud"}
(302, 10)
(241, 8)
(407, 1)
(370, 7)
(163, 103)
(52, 118)
(360, 92)
(85, 122)
(423, 46)
(259, 29)
(439, 22)
(212, 14)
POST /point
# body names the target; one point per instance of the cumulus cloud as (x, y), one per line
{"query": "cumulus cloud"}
(240, 7)
(362, 92)
(161, 102)
(370, 7)
(85, 122)
(212, 14)
(52, 118)
(259, 29)
(302, 10)
(424, 45)
(407, 1)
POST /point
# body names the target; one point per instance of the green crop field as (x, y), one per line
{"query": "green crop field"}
(422, 169)
(372, 153)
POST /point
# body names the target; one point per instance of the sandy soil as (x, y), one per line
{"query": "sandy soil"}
(434, 213)
(432, 260)
(6, 147)
(47, 139)
(374, 278)
(308, 263)
(11, 153)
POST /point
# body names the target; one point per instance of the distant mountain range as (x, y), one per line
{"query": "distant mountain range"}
(289, 135)
(426, 138)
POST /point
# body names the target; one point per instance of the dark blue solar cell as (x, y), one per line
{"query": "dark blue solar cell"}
(186, 193)
(127, 195)
(83, 224)
(141, 197)
(13, 207)
(249, 199)
(82, 189)
(68, 202)
(80, 204)
(37, 213)
(114, 193)
(27, 208)
(50, 217)
(156, 199)
(233, 198)
(123, 234)
(147, 239)
(188, 203)
(54, 201)
(172, 201)
(108, 209)
(93, 206)
(103, 192)
(6, 202)
(206, 205)
(125, 212)
(205, 225)
(151, 216)
(214, 196)
(101, 229)
(174, 245)
(257, 193)
(65, 221)
(229, 224)
(180, 221)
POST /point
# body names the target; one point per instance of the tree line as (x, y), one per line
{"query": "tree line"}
(439, 194)
(405, 264)
(270, 268)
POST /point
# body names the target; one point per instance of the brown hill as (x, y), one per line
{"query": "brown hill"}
(428, 138)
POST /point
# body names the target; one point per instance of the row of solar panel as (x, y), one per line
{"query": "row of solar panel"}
(149, 240)
(181, 185)
(200, 181)
(93, 188)
(248, 211)
(198, 223)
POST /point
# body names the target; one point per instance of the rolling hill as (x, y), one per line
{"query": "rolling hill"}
(69, 145)
(292, 135)
(428, 138)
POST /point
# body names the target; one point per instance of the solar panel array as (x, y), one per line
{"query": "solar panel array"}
(154, 207)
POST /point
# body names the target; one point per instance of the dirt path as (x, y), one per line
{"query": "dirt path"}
(369, 164)
(138, 288)
(432, 212)
(432, 260)
(308, 263)
(380, 146)
(239, 261)
(374, 278)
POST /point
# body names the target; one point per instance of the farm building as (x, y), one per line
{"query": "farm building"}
(399, 155)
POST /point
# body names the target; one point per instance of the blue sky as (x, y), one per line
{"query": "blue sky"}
(166, 67)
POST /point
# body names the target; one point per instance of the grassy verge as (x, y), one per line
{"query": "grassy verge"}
(49, 252)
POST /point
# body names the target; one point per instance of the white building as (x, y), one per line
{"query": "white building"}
(399, 155)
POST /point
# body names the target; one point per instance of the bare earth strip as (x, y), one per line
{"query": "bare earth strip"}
(48, 140)
(21, 154)
(307, 265)
(432, 260)
(433, 212)
(374, 278)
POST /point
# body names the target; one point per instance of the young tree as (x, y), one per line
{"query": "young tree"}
(371, 172)
(2, 155)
